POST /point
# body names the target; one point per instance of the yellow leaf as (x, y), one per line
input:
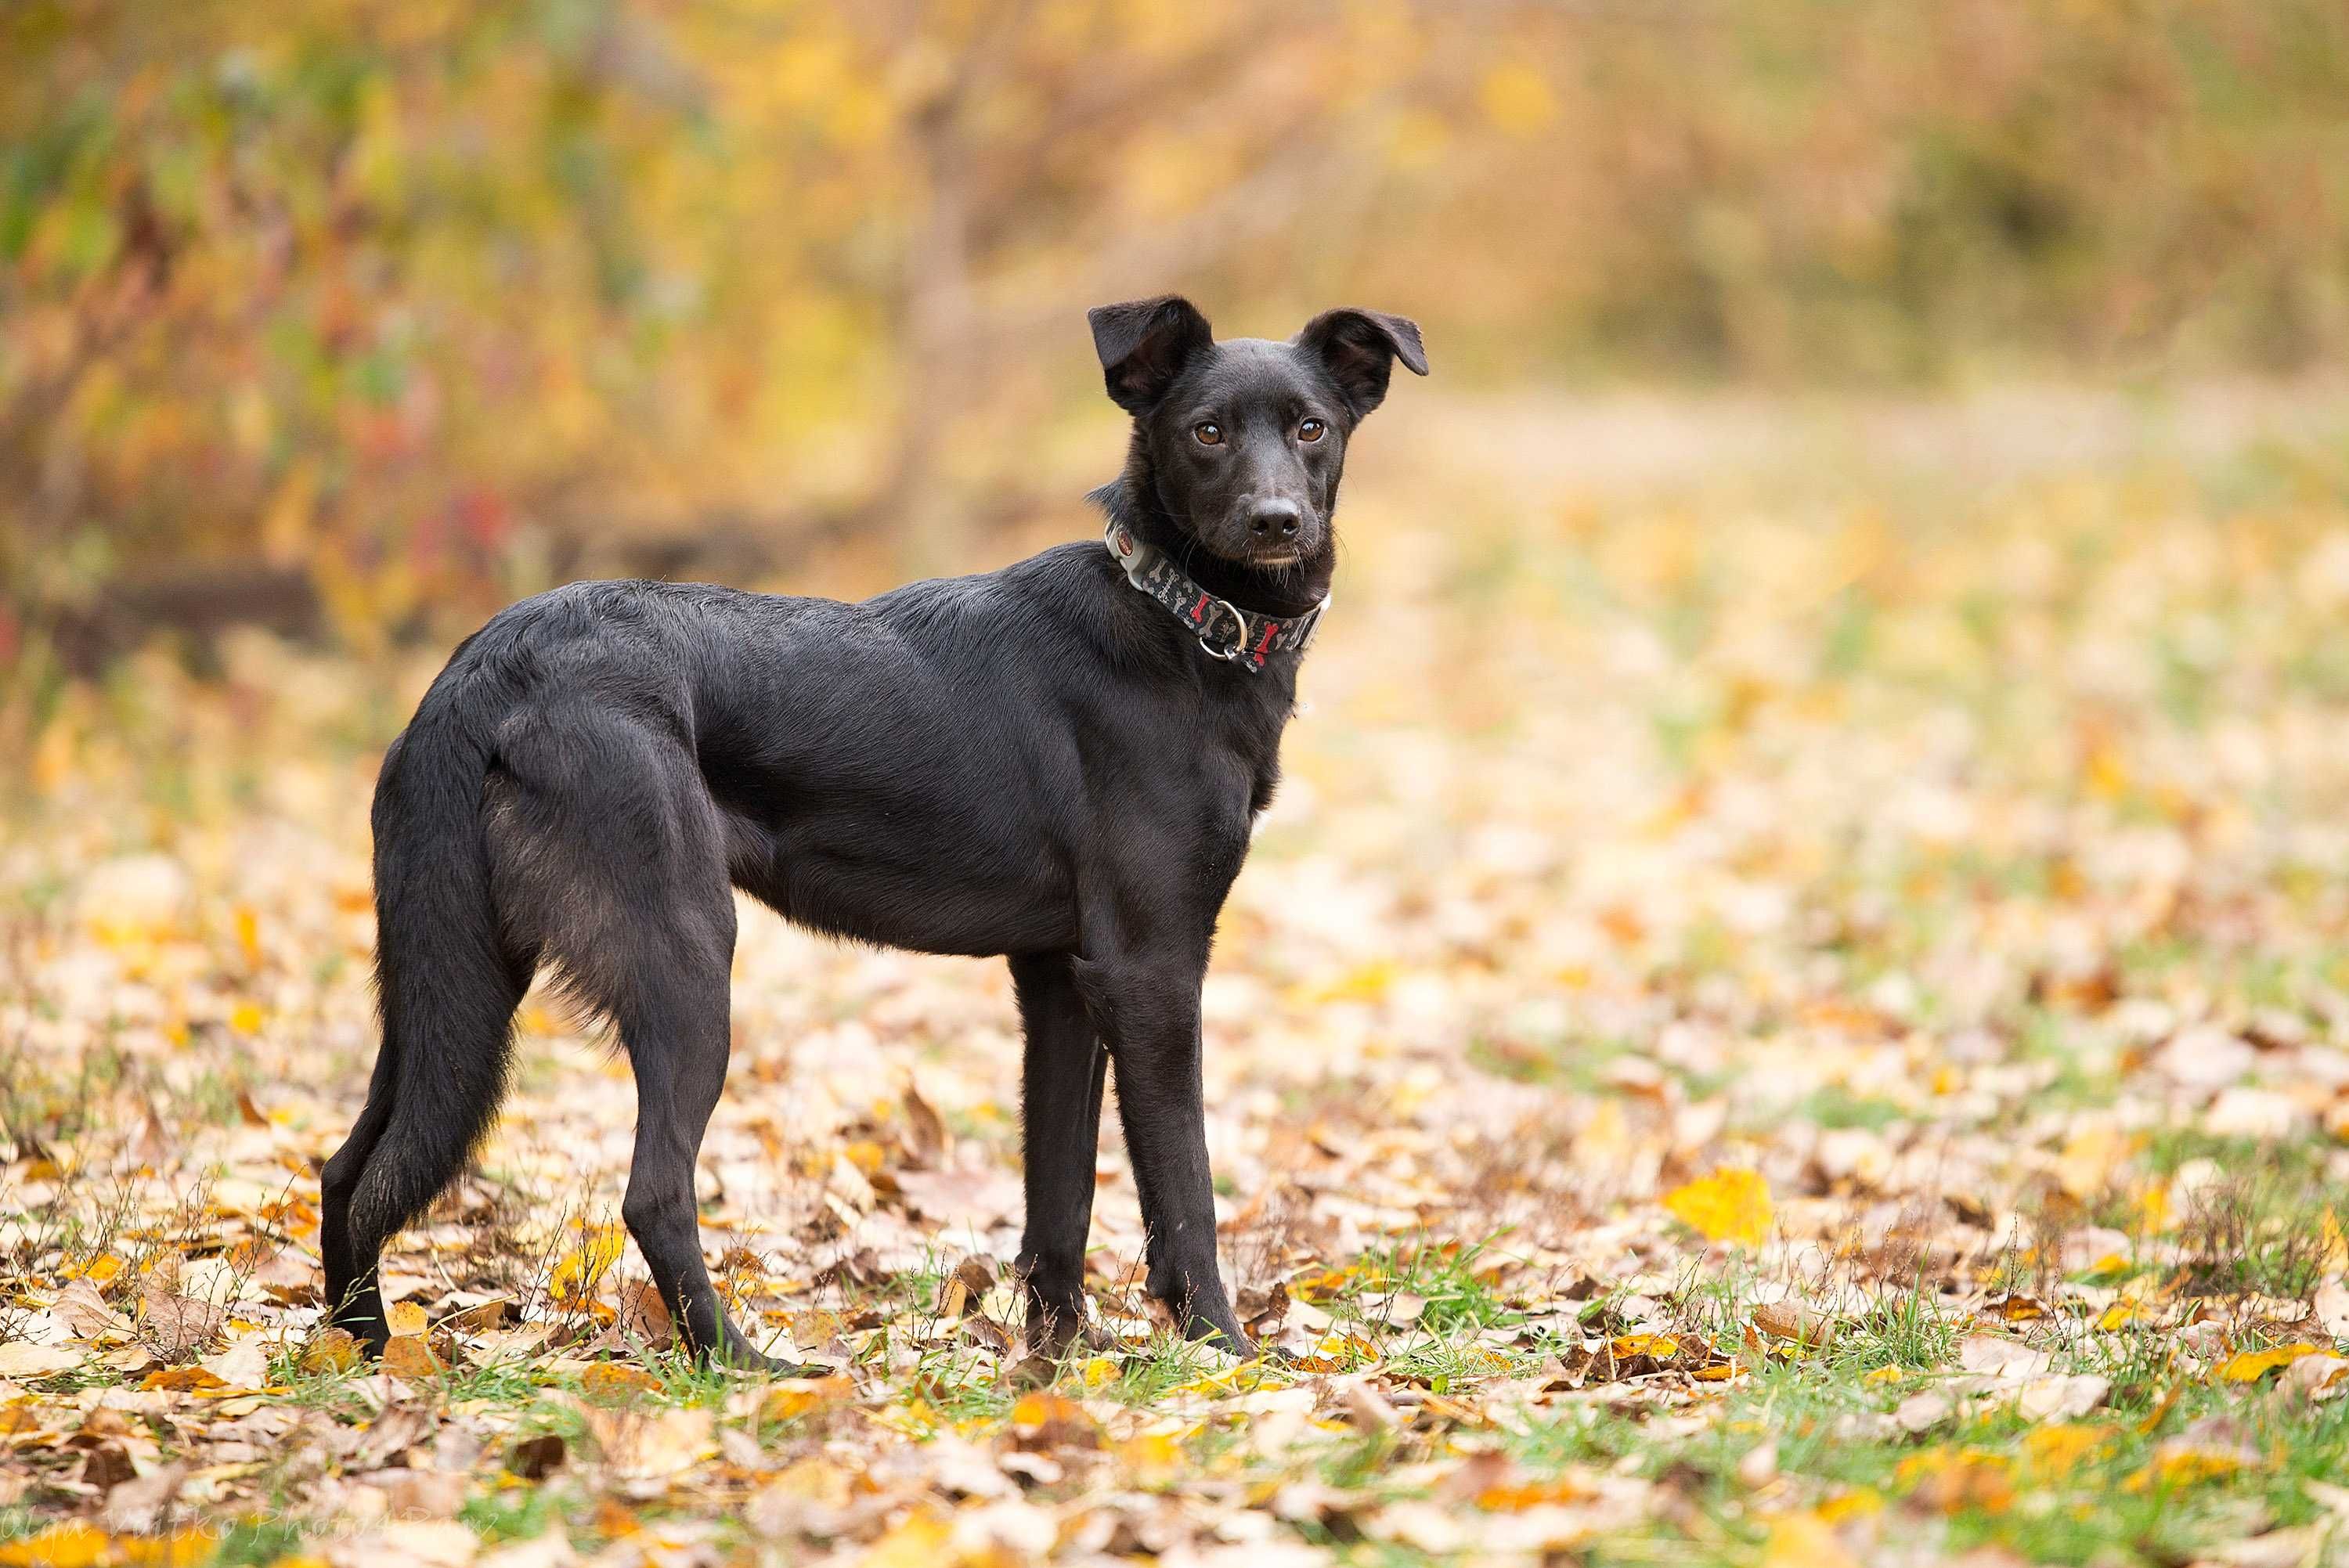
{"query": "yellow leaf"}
(181, 1380)
(181, 1549)
(1951, 1480)
(2089, 1159)
(405, 1319)
(814, 1478)
(797, 1397)
(2060, 1448)
(612, 1380)
(1804, 1541)
(577, 1275)
(335, 1350)
(2107, 773)
(245, 1018)
(1517, 99)
(1100, 1369)
(1662, 1346)
(1883, 1375)
(1367, 983)
(1042, 1408)
(921, 1541)
(2253, 1365)
(1150, 1457)
(2184, 1466)
(100, 1271)
(1733, 1205)
(72, 1544)
(1851, 1504)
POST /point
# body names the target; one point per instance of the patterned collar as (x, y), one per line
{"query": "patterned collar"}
(1224, 629)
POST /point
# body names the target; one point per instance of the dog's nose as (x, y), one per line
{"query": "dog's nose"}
(1275, 519)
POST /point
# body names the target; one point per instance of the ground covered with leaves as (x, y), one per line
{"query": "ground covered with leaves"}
(1775, 1022)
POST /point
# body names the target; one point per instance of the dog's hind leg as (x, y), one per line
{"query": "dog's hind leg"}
(621, 865)
(677, 1041)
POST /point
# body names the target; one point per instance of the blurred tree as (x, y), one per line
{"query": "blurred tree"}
(363, 315)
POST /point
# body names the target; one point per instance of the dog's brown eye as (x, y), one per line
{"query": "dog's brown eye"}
(1209, 435)
(1310, 430)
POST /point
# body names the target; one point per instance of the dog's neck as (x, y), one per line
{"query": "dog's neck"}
(1133, 498)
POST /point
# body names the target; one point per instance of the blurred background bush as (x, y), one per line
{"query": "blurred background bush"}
(356, 319)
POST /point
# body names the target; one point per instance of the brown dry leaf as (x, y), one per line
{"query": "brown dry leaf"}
(408, 1356)
(925, 1134)
(653, 1444)
(479, 1318)
(175, 1326)
(1789, 1320)
(643, 1317)
(84, 1311)
(964, 1285)
(1371, 1409)
(137, 1505)
(1045, 1420)
(2318, 1377)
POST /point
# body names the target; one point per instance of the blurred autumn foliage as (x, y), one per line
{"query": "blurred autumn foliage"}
(360, 317)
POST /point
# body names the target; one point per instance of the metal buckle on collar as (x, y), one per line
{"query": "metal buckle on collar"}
(1240, 630)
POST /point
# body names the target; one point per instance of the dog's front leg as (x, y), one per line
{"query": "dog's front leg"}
(1060, 1101)
(1149, 1013)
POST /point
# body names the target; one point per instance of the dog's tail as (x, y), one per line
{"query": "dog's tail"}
(447, 985)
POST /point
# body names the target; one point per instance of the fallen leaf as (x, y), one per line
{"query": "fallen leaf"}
(792, 1398)
(335, 1351)
(616, 1381)
(2251, 1366)
(579, 1270)
(1732, 1204)
(407, 1356)
(1995, 1357)
(19, 1359)
(1804, 1541)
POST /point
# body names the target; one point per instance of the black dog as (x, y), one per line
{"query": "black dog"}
(1040, 762)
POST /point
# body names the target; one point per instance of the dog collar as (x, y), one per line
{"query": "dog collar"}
(1224, 629)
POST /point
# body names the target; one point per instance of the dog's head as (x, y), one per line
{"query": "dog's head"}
(1246, 439)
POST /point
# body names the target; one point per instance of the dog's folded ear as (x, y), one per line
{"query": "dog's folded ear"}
(1359, 348)
(1143, 345)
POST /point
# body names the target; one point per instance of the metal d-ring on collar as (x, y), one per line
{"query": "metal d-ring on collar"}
(1254, 638)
